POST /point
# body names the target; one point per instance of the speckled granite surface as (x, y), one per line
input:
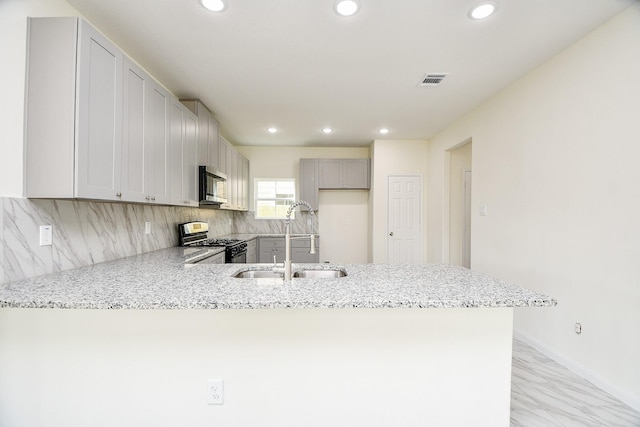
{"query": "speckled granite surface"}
(162, 280)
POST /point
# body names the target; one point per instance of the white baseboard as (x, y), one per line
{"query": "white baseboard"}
(623, 395)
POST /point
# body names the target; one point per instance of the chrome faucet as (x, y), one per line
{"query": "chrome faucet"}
(286, 266)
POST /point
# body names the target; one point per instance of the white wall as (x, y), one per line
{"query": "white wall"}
(393, 157)
(343, 215)
(555, 160)
(13, 33)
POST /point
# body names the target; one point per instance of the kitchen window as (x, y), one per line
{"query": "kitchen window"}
(273, 197)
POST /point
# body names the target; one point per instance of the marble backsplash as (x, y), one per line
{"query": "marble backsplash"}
(89, 232)
(245, 222)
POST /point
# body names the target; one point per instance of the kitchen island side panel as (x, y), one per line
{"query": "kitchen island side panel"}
(285, 367)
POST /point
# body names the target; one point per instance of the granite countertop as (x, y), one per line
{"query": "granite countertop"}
(250, 236)
(164, 280)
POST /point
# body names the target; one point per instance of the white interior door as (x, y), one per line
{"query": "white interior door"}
(404, 240)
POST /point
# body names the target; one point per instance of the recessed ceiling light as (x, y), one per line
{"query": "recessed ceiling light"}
(213, 5)
(346, 7)
(483, 10)
(383, 131)
(327, 130)
(272, 130)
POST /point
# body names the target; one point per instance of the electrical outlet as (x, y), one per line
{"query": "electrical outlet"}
(147, 227)
(46, 235)
(578, 328)
(215, 392)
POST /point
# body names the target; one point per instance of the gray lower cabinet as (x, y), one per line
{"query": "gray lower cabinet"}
(215, 259)
(252, 251)
(275, 246)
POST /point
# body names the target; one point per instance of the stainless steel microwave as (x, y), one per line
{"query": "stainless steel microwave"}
(212, 187)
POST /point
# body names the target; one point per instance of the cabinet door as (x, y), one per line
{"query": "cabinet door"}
(202, 149)
(252, 252)
(240, 182)
(157, 135)
(329, 173)
(232, 175)
(356, 173)
(175, 149)
(270, 246)
(183, 155)
(245, 183)
(189, 167)
(309, 182)
(222, 156)
(135, 155)
(99, 113)
(232, 178)
(50, 107)
(303, 255)
(214, 143)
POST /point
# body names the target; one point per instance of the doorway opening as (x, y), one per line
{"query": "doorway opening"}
(460, 177)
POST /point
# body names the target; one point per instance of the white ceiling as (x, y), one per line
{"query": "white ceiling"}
(296, 65)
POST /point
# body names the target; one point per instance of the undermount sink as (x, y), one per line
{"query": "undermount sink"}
(259, 274)
(319, 274)
(300, 274)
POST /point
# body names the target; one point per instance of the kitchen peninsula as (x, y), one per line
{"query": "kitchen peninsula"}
(134, 341)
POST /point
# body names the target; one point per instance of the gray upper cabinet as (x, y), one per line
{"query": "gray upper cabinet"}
(343, 174)
(97, 125)
(183, 141)
(190, 168)
(236, 167)
(99, 112)
(214, 143)
(208, 148)
(135, 151)
(309, 182)
(145, 138)
(73, 143)
(157, 135)
(245, 184)
(332, 174)
(222, 155)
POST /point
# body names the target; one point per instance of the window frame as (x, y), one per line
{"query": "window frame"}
(256, 198)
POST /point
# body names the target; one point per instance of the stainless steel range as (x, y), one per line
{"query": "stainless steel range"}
(194, 234)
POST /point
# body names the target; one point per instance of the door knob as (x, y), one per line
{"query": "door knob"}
(391, 234)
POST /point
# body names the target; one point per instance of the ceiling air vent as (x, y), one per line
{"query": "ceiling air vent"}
(432, 80)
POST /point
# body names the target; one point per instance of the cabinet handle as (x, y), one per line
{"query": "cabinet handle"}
(148, 198)
(118, 194)
(391, 234)
(153, 198)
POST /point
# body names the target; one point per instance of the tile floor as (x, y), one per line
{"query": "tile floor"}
(546, 394)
